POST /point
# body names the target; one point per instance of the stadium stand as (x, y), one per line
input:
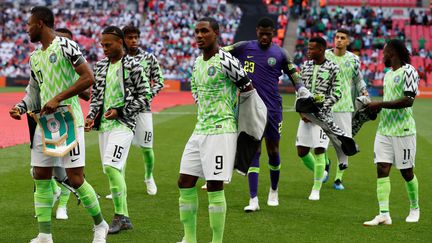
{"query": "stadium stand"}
(281, 9)
(371, 28)
(165, 27)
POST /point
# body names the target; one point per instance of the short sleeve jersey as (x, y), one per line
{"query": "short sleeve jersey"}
(113, 96)
(397, 84)
(214, 89)
(54, 72)
(263, 67)
(349, 69)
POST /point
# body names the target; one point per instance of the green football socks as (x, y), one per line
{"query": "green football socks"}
(339, 174)
(148, 162)
(118, 189)
(43, 201)
(64, 197)
(90, 202)
(217, 212)
(412, 189)
(383, 193)
(319, 171)
(188, 204)
(309, 161)
(54, 186)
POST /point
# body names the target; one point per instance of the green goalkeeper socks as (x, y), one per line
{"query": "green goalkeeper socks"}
(90, 201)
(43, 201)
(118, 189)
(383, 193)
(148, 162)
(217, 212)
(309, 161)
(188, 204)
(319, 171)
(412, 189)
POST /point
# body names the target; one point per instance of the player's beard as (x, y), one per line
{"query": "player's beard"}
(264, 46)
(133, 49)
(387, 63)
(35, 39)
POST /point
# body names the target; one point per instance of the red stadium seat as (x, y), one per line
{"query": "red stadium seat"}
(429, 79)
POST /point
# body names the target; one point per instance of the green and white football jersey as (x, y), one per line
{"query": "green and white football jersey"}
(53, 69)
(349, 73)
(215, 92)
(113, 97)
(397, 84)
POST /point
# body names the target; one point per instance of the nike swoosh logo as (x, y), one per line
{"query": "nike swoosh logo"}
(114, 161)
(75, 62)
(404, 162)
(249, 56)
(73, 160)
(217, 173)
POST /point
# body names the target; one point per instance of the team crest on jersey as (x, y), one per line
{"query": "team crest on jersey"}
(397, 79)
(53, 125)
(271, 61)
(53, 58)
(325, 75)
(211, 71)
(347, 64)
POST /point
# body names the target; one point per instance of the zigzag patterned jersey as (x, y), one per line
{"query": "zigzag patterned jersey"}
(397, 84)
(214, 89)
(152, 71)
(327, 81)
(53, 69)
(350, 74)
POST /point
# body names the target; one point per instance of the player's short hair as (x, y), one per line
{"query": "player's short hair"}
(344, 31)
(265, 22)
(213, 23)
(130, 29)
(45, 14)
(399, 47)
(319, 40)
(114, 30)
(65, 31)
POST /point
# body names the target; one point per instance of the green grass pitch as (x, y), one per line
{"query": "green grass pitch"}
(337, 217)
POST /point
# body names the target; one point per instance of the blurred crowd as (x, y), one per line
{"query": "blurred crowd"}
(370, 29)
(166, 29)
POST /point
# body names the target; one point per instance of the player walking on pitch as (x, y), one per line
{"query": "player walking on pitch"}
(52, 83)
(264, 63)
(319, 76)
(210, 151)
(395, 140)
